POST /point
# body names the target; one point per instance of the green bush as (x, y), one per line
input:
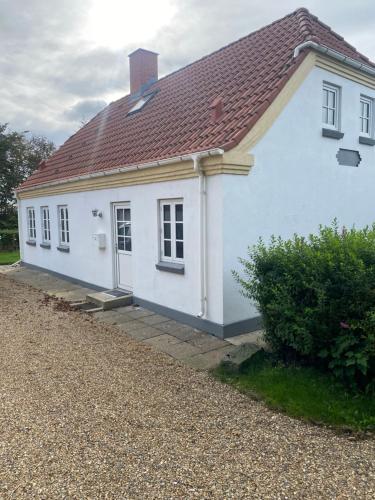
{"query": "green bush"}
(9, 239)
(317, 299)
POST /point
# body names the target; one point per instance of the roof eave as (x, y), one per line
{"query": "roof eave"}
(129, 168)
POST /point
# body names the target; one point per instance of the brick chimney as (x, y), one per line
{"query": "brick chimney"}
(143, 70)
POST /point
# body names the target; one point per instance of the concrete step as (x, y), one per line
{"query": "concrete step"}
(93, 310)
(110, 299)
(240, 353)
(87, 307)
(80, 304)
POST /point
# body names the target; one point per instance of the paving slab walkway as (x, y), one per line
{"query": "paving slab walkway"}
(182, 342)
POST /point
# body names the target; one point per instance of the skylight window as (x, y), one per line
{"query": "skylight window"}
(140, 103)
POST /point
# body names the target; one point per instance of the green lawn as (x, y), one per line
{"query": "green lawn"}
(9, 257)
(302, 392)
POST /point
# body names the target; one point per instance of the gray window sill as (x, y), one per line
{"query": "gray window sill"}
(45, 245)
(61, 248)
(171, 267)
(366, 140)
(332, 134)
(32, 243)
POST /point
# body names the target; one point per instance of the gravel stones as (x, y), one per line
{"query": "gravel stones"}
(88, 412)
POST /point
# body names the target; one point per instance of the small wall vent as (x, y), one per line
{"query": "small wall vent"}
(348, 158)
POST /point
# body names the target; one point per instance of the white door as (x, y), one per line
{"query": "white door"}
(123, 245)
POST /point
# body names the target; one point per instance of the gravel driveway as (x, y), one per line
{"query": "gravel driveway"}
(87, 412)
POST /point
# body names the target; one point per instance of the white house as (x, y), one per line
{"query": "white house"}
(164, 189)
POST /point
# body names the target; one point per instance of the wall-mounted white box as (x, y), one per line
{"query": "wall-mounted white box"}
(100, 240)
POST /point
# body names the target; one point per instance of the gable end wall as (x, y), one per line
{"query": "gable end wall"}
(296, 182)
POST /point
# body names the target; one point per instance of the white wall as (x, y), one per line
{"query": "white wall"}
(87, 263)
(214, 238)
(297, 183)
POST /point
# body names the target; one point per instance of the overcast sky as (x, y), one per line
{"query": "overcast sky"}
(61, 61)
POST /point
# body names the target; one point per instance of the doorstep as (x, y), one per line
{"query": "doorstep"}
(111, 299)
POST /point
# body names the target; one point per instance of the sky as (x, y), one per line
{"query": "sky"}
(62, 61)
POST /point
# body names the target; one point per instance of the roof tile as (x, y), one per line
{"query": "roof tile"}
(247, 75)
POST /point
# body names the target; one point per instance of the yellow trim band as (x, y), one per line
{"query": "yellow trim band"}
(228, 163)
(344, 71)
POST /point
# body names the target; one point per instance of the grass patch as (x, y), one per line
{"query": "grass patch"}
(302, 392)
(9, 257)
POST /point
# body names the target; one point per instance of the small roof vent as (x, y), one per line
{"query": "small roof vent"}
(216, 108)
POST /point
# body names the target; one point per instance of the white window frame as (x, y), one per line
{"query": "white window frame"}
(127, 223)
(369, 118)
(31, 226)
(46, 224)
(64, 229)
(172, 203)
(327, 87)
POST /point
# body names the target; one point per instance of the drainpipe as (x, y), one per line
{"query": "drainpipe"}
(20, 232)
(202, 235)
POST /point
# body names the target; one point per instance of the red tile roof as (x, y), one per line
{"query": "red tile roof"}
(246, 76)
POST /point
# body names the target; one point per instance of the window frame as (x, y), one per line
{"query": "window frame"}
(126, 223)
(173, 239)
(141, 103)
(66, 230)
(45, 224)
(31, 224)
(370, 102)
(329, 87)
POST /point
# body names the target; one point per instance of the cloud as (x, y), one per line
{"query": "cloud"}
(202, 27)
(82, 111)
(91, 73)
(51, 74)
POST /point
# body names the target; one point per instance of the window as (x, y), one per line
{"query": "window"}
(46, 225)
(140, 103)
(124, 229)
(331, 98)
(366, 116)
(172, 230)
(63, 225)
(31, 231)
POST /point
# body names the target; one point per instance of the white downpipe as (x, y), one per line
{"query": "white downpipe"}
(20, 229)
(202, 235)
(335, 55)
